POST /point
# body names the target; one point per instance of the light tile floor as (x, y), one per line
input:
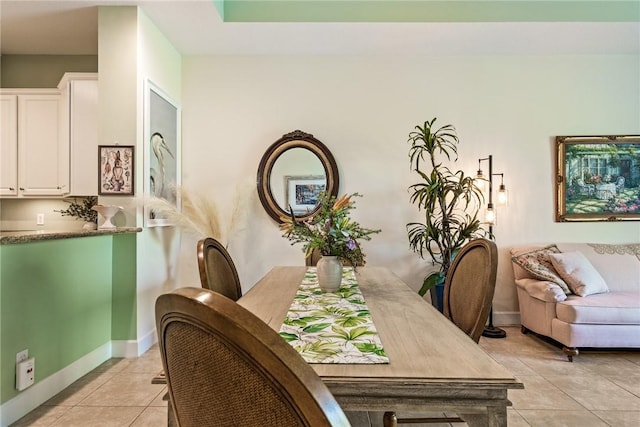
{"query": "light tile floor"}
(600, 388)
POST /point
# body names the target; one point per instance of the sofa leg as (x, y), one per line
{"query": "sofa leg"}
(570, 352)
(523, 329)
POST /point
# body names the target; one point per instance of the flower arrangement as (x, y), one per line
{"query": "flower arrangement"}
(331, 231)
(82, 209)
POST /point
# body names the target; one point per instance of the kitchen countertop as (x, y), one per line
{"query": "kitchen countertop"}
(13, 237)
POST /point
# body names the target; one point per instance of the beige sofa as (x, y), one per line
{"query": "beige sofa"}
(607, 315)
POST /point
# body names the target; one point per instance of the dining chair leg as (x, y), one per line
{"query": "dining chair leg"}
(389, 419)
(171, 419)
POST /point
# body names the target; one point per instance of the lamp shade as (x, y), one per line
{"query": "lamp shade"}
(502, 196)
(480, 180)
(490, 215)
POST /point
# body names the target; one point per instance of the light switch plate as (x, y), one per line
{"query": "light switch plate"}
(22, 356)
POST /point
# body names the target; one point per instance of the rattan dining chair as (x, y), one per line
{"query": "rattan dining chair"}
(468, 294)
(217, 273)
(217, 270)
(226, 367)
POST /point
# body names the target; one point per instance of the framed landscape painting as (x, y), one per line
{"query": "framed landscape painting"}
(598, 178)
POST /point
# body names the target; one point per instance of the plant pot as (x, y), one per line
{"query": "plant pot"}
(437, 296)
(329, 273)
(89, 225)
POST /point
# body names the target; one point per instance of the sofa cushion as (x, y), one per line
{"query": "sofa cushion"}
(614, 308)
(583, 279)
(618, 265)
(538, 264)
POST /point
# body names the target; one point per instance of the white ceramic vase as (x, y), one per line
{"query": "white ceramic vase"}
(107, 213)
(329, 270)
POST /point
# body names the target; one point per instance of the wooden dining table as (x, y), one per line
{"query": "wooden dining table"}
(433, 365)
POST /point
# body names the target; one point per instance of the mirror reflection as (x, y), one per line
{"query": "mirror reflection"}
(296, 179)
(292, 173)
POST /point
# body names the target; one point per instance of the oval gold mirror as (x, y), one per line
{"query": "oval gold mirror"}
(292, 172)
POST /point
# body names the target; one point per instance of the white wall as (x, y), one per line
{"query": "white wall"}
(363, 108)
(131, 50)
(161, 63)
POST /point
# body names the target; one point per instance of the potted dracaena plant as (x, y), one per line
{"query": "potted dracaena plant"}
(450, 202)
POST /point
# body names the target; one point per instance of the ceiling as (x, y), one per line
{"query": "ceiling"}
(195, 27)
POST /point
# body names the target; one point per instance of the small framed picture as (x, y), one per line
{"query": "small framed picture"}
(115, 170)
(302, 192)
(598, 178)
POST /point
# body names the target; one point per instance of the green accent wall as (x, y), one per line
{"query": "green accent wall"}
(124, 312)
(431, 11)
(62, 299)
(219, 4)
(42, 71)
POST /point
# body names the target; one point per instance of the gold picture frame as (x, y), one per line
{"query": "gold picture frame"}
(597, 178)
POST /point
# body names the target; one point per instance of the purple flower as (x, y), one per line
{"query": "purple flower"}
(351, 244)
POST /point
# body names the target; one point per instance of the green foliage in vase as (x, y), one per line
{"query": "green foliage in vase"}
(82, 209)
(449, 200)
(331, 230)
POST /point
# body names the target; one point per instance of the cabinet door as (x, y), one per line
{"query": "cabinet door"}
(83, 134)
(43, 151)
(8, 145)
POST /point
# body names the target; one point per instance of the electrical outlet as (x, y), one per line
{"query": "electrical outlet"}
(25, 374)
(40, 219)
(22, 356)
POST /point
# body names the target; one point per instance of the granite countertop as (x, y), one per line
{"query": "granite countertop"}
(12, 237)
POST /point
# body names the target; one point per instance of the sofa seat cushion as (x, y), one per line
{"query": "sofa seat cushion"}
(615, 308)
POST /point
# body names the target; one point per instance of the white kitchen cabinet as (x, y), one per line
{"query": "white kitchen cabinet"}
(9, 140)
(80, 93)
(42, 148)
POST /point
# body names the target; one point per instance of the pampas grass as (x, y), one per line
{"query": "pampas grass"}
(199, 214)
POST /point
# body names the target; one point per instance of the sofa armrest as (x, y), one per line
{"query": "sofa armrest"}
(542, 290)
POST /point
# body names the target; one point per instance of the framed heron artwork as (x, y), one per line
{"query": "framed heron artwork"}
(162, 155)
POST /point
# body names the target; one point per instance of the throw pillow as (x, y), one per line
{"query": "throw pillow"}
(538, 264)
(579, 273)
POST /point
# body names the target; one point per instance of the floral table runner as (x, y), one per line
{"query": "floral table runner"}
(332, 327)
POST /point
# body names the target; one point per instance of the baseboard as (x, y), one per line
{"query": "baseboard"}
(134, 348)
(124, 348)
(506, 318)
(28, 400)
(148, 340)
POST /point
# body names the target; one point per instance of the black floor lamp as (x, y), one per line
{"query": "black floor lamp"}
(491, 331)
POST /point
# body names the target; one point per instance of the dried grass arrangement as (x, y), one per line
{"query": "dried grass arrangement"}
(199, 214)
